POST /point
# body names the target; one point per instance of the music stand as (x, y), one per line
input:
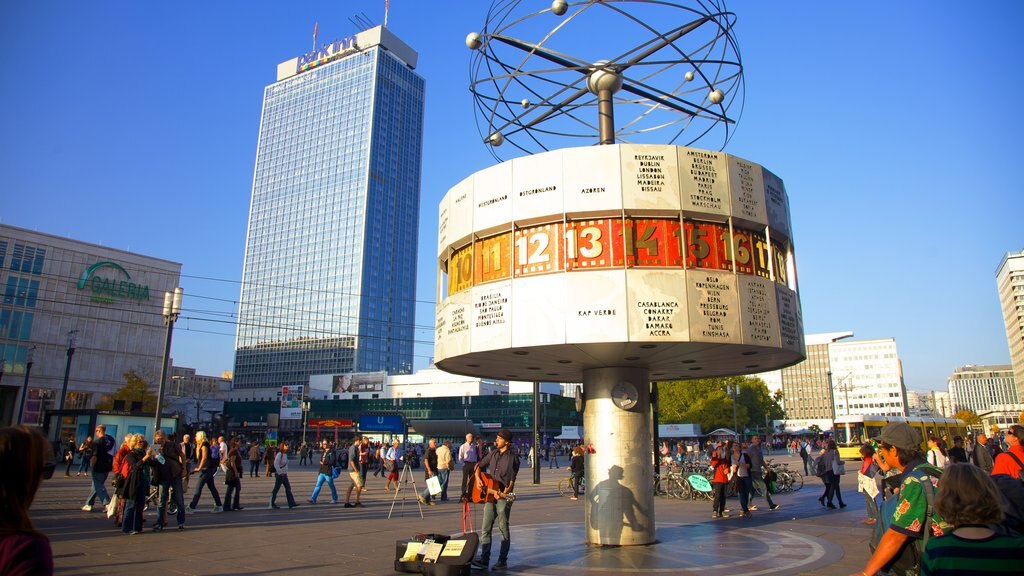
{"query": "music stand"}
(404, 478)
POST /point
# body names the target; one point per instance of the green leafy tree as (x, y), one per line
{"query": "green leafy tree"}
(135, 389)
(705, 402)
(969, 417)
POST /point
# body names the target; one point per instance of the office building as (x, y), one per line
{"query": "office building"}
(867, 378)
(805, 386)
(328, 283)
(978, 388)
(72, 307)
(1010, 282)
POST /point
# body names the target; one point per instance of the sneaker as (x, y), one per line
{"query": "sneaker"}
(190, 510)
(715, 515)
(134, 532)
(431, 503)
(751, 507)
(774, 507)
(157, 528)
(478, 565)
(217, 509)
(334, 501)
(87, 508)
(501, 565)
(349, 505)
(724, 514)
(181, 526)
(421, 499)
(310, 500)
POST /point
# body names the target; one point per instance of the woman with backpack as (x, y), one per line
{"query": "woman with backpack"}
(937, 455)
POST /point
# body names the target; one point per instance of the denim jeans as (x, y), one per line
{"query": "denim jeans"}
(83, 466)
(329, 479)
(99, 488)
(232, 494)
(132, 520)
(175, 491)
(500, 511)
(254, 468)
(282, 480)
(745, 487)
(205, 479)
(442, 477)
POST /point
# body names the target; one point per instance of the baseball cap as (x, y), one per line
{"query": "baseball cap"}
(900, 435)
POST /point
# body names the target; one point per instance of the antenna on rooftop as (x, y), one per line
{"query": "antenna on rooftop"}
(386, 3)
(361, 21)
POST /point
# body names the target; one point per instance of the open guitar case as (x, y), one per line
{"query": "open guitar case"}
(445, 565)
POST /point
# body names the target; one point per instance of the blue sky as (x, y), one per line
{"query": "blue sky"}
(894, 125)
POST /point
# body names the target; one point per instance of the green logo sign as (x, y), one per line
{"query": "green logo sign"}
(699, 483)
(109, 290)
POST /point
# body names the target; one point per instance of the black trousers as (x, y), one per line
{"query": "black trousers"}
(467, 472)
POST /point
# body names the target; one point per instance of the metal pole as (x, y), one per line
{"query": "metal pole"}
(606, 116)
(163, 372)
(24, 387)
(536, 432)
(734, 392)
(654, 429)
(67, 369)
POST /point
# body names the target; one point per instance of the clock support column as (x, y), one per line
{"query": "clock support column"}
(620, 470)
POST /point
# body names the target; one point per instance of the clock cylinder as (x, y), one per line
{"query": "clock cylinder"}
(619, 499)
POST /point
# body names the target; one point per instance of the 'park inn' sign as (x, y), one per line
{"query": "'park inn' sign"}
(109, 290)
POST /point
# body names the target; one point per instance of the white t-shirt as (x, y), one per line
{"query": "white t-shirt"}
(935, 458)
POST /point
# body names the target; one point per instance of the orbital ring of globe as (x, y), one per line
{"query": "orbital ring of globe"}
(671, 70)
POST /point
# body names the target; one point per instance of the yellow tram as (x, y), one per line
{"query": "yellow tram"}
(853, 430)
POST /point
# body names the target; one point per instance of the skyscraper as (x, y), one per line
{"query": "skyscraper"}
(1010, 281)
(328, 283)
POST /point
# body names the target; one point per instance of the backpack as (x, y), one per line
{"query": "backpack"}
(341, 458)
(803, 450)
(1012, 490)
(819, 466)
(909, 559)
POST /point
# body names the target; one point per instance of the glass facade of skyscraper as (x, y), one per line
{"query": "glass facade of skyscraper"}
(328, 284)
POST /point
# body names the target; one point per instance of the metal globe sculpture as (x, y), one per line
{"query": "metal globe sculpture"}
(680, 83)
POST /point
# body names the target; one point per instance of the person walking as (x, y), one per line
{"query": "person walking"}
(102, 463)
(86, 451)
(391, 464)
(281, 478)
(832, 475)
(356, 465)
(576, 471)
(445, 463)
(430, 470)
(70, 448)
(206, 469)
(326, 473)
(805, 455)
(268, 460)
(254, 459)
(233, 469)
(758, 474)
(468, 457)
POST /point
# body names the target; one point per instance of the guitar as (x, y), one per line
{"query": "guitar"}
(488, 489)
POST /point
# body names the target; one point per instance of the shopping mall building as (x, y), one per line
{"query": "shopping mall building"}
(78, 313)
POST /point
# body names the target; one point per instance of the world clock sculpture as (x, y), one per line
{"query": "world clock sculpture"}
(622, 260)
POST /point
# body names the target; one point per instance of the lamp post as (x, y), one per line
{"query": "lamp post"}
(24, 386)
(733, 392)
(305, 419)
(172, 307)
(72, 336)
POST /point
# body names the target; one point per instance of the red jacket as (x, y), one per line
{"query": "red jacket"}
(121, 467)
(721, 466)
(1004, 464)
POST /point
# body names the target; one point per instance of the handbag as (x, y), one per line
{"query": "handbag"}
(434, 485)
(838, 467)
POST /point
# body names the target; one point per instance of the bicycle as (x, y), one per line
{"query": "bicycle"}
(565, 486)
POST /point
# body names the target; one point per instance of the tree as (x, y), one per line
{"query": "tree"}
(1021, 417)
(135, 389)
(969, 417)
(705, 402)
